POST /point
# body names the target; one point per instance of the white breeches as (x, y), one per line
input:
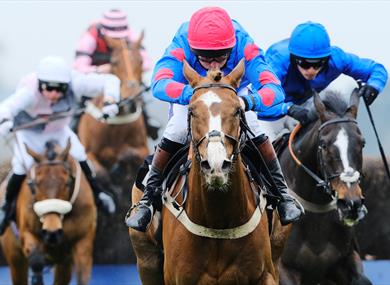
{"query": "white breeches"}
(36, 141)
(176, 129)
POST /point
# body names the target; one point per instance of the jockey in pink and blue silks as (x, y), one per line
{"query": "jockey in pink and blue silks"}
(212, 40)
(52, 89)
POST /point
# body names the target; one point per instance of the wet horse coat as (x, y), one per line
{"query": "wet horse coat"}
(220, 236)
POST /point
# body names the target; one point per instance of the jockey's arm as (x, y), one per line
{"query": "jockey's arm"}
(268, 96)
(93, 84)
(84, 50)
(371, 72)
(20, 100)
(168, 82)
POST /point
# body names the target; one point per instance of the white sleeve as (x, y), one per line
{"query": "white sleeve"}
(20, 100)
(94, 84)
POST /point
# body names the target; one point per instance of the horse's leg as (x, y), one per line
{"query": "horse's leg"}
(267, 279)
(63, 272)
(82, 257)
(288, 276)
(14, 256)
(149, 256)
(33, 251)
(349, 271)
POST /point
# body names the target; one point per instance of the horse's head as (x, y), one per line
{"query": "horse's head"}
(51, 183)
(126, 63)
(340, 145)
(214, 121)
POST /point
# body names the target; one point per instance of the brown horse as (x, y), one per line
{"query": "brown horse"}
(55, 221)
(117, 146)
(321, 247)
(217, 233)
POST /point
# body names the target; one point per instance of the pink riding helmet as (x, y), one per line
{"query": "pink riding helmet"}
(114, 24)
(211, 28)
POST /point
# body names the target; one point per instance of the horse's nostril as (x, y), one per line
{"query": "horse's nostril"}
(204, 164)
(226, 165)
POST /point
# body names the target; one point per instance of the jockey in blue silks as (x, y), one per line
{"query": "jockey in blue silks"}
(307, 61)
(212, 40)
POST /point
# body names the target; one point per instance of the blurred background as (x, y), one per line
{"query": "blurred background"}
(30, 30)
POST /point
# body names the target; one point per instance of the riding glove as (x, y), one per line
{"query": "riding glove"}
(299, 113)
(110, 111)
(6, 127)
(369, 93)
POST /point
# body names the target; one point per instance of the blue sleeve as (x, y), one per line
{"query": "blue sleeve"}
(168, 81)
(369, 71)
(268, 96)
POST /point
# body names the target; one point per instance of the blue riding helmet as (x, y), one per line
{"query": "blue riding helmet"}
(310, 40)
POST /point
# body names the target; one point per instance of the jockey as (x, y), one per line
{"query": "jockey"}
(52, 89)
(212, 40)
(307, 61)
(92, 52)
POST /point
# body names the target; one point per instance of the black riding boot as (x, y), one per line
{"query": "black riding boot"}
(103, 200)
(13, 189)
(288, 208)
(140, 216)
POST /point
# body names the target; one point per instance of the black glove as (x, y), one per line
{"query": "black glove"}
(369, 93)
(299, 113)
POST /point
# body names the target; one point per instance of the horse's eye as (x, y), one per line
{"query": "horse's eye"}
(237, 112)
(363, 142)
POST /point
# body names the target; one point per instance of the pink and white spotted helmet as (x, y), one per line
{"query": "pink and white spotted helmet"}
(114, 24)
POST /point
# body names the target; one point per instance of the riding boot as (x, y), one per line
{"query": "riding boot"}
(103, 200)
(140, 216)
(12, 191)
(288, 208)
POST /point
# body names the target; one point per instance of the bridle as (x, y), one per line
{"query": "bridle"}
(219, 136)
(324, 183)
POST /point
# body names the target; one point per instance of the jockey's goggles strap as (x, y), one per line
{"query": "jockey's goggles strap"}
(214, 85)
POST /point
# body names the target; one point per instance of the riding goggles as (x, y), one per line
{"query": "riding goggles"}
(315, 63)
(218, 59)
(53, 86)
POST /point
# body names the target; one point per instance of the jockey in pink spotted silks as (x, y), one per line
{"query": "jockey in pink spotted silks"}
(52, 89)
(92, 52)
(212, 40)
(94, 55)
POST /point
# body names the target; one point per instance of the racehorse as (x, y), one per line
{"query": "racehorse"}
(117, 146)
(214, 225)
(55, 221)
(323, 169)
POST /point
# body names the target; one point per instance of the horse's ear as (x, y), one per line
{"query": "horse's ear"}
(64, 154)
(138, 43)
(353, 104)
(234, 77)
(190, 74)
(36, 156)
(320, 107)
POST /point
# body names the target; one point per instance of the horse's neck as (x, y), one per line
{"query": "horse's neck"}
(216, 208)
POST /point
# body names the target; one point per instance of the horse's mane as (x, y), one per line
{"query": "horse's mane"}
(51, 149)
(335, 102)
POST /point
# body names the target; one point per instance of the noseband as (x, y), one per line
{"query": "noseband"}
(217, 136)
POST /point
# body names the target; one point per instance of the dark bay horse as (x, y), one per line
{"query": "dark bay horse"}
(321, 248)
(55, 221)
(117, 146)
(217, 231)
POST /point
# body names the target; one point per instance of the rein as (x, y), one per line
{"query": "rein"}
(321, 183)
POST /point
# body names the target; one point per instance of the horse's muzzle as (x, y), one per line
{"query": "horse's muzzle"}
(351, 211)
(52, 238)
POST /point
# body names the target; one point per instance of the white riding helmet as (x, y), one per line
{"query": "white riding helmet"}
(54, 69)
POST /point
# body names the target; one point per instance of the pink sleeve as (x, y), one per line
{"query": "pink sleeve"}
(84, 49)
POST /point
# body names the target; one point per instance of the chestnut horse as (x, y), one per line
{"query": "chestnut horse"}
(323, 169)
(55, 221)
(218, 233)
(117, 146)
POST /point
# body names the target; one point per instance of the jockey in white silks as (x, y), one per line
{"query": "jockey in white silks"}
(52, 89)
